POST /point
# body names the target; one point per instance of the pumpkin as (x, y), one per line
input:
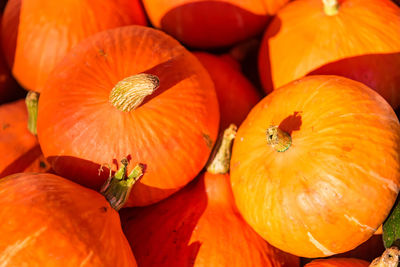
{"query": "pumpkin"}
(200, 225)
(350, 38)
(338, 262)
(209, 24)
(19, 149)
(308, 156)
(91, 111)
(38, 33)
(50, 221)
(236, 95)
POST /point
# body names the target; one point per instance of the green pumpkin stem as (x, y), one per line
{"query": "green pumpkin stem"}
(118, 187)
(222, 155)
(331, 7)
(278, 139)
(31, 101)
(389, 258)
(130, 92)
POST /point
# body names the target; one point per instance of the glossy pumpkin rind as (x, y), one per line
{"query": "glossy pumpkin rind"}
(338, 262)
(19, 149)
(37, 34)
(344, 155)
(172, 132)
(210, 24)
(359, 42)
(68, 225)
(236, 95)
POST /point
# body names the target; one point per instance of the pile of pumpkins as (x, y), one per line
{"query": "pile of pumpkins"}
(199, 133)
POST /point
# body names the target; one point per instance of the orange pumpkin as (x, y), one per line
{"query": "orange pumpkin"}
(38, 33)
(19, 149)
(338, 262)
(50, 221)
(91, 111)
(357, 39)
(308, 156)
(206, 24)
(200, 225)
(236, 95)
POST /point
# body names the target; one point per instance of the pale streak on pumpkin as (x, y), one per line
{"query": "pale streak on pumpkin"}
(13, 249)
(364, 227)
(319, 246)
(86, 260)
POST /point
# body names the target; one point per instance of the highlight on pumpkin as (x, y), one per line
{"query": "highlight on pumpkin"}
(130, 92)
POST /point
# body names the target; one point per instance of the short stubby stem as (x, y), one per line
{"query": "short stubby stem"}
(129, 93)
(221, 159)
(278, 139)
(389, 258)
(31, 101)
(117, 188)
(331, 7)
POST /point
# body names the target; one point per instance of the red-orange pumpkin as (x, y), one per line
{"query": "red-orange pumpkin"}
(236, 95)
(200, 226)
(38, 33)
(172, 131)
(19, 149)
(358, 40)
(206, 24)
(338, 262)
(50, 221)
(308, 156)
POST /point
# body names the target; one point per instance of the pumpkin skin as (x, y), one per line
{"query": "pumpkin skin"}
(19, 149)
(79, 223)
(190, 229)
(306, 200)
(210, 24)
(47, 30)
(236, 95)
(338, 262)
(303, 40)
(172, 132)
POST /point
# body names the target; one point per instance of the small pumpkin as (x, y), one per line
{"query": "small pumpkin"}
(308, 156)
(38, 33)
(19, 149)
(338, 262)
(200, 225)
(131, 92)
(236, 95)
(50, 221)
(350, 38)
(209, 24)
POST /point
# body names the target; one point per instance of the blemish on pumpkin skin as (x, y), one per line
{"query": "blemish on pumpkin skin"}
(103, 209)
(5, 126)
(102, 53)
(209, 142)
(347, 148)
(42, 164)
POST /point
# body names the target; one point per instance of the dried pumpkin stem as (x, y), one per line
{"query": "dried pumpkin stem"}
(331, 7)
(278, 139)
(220, 162)
(129, 93)
(389, 258)
(118, 187)
(31, 101)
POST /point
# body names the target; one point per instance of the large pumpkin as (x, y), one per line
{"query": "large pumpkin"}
(90, 111)
(338, 262)
(308, 157)
(357, 39)
(50, 221)
(19, 149)
(200, 225)
(38, 33)
(206, 24)
(236, 95)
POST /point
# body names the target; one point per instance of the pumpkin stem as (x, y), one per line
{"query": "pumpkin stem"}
(118, 187)
(389, 258)
(31, 101)
(331, 7)
(220, 162)
(278, 139)
(130, 92)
